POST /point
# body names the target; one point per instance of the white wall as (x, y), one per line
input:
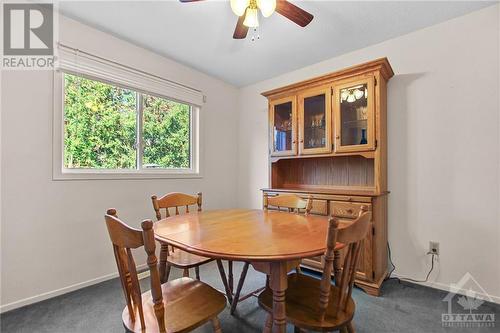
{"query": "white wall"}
(443, 106)
(53, 232)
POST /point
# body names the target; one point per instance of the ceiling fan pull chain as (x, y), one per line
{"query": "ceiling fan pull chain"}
(255, 34)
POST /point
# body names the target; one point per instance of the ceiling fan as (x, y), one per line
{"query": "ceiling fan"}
(247, 11)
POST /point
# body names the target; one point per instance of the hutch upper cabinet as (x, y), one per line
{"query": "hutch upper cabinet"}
(328, 140)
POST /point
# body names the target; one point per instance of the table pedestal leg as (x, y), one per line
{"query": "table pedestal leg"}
(278, 284)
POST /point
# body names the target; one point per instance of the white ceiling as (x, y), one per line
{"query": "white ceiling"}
(200, 34)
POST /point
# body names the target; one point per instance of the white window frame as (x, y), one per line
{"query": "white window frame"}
(62, 173)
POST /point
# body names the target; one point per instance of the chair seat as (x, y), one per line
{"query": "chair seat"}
(188, 304)
(302, 304)
(183, 259)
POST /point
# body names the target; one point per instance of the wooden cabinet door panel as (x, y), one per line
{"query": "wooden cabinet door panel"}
(348, 211)
(365, 262)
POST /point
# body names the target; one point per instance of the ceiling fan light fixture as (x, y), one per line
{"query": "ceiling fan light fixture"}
(251, 18)
(267, 7)
(239, 6)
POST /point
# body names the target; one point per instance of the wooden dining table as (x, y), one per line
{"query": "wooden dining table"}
(272, 241)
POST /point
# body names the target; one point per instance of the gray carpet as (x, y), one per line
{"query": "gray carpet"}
(403, 307)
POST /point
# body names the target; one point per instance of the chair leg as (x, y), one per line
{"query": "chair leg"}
(296, 329)
(343, 330)
(197, 272)
(350, 328)
(167, 273)
(185, 273)
(239, 287)
(163, 262)
(229, 295)
(230, 275)
(268, 328)
(216, 325)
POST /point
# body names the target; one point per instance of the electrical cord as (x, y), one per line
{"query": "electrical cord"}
(406, 278)
(392, 264)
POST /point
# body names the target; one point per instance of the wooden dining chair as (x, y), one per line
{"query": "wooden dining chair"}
(169, 256)
(317, 305)
(180, 305)
(289, 202)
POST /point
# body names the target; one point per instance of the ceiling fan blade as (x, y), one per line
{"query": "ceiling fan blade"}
(293, 13)
(240, 32)
(190, 0)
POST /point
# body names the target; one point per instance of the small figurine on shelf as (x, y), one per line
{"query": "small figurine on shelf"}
(363, 137)
(312, 143)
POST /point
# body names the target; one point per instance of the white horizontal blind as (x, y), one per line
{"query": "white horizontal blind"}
(80, 62)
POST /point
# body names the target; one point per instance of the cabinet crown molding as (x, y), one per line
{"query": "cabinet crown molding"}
(381, 65)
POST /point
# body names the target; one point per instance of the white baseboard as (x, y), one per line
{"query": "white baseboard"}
(57, 292)
(446, 287)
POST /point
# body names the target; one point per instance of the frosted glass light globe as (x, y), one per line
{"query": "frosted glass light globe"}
(239, 6)
(267, 7)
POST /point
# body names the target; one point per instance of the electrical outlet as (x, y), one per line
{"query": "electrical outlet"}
(433, 248)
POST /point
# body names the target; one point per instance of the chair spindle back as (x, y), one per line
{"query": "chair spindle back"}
(351, 236)
(175, 200)
(293, 203)
(124, 239)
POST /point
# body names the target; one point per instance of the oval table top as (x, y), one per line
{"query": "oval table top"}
(241, 234)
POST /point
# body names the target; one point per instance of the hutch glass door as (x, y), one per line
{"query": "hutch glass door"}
(283, 127)
(315, 121)
(354, 116)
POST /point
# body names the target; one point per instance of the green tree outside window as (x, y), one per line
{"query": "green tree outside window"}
(100, 127)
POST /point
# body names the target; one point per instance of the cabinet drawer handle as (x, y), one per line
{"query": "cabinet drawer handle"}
(301, 141)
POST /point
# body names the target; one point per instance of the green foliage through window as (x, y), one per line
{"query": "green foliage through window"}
(165, 133)
(100, 127)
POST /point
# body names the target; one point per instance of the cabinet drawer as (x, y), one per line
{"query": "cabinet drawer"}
(319, 207)
(315, 263)
(347, 209)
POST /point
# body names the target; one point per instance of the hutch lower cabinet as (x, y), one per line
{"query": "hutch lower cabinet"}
(328, 140)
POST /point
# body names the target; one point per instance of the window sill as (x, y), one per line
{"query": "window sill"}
(124, 175)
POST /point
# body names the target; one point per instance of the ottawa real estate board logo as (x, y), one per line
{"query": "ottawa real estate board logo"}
(28, 36)
(466, 305)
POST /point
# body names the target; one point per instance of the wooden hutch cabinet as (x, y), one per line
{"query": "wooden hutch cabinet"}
(328, 139)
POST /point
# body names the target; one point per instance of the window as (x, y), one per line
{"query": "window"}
(109, 129)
